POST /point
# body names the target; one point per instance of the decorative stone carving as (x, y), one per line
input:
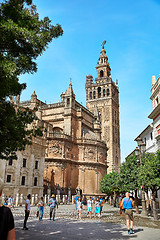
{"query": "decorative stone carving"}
(89, 154)
(100, 156)
(55, 148)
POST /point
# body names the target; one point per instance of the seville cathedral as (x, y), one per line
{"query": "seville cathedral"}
(80, 144)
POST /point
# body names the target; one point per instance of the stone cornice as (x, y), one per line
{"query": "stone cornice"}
(155, 112)
(74, 162)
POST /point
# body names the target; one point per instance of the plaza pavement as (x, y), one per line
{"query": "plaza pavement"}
(66, 226)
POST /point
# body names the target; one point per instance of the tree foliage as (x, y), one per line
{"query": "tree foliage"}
(24, 37)
(149, 174)
(133, 176)
(110, 183)
(129, 174)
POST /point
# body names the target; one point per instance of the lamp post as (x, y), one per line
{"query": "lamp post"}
(142, 147)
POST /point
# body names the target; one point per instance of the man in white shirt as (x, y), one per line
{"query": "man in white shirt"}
(27, 211)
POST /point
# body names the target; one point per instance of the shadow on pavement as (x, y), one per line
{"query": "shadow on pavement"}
(71, 229)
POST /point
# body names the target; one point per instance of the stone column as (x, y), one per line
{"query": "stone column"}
(83, 181)
(97, 181)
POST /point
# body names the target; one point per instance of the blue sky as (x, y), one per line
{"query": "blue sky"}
(132, 32)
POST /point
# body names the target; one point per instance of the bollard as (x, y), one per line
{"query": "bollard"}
(73, 199)
(36, 199)
(45, 199)
(32, 202)
(17, 199)
(48, 198)
(21, 199)
(63, 199)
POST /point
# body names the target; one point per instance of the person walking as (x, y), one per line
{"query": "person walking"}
(128, 205)
(79, 208)
(101, 202)
(27, 211)
(7, 229)
(75, 201)
(52, 203)
(97, 207)
(41, 208)
(89, 205)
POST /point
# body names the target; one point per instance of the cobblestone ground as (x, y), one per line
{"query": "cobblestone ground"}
(66, 226)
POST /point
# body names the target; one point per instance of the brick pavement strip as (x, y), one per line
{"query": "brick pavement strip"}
(67, 227)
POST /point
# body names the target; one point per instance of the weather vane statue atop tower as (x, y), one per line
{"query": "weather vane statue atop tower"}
(104, 42)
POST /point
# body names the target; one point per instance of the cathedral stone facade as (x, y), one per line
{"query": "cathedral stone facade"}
(79, 143)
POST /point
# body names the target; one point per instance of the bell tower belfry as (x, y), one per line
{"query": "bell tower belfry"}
(103, 94)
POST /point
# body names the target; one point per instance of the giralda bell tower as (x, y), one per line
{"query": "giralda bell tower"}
(103, 95)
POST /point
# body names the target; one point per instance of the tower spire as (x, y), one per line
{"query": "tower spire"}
(104, 42)
(103, 68)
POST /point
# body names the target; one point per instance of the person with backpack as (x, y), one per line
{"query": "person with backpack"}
(128, 204)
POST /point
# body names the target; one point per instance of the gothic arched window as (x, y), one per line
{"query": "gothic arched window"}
(99, 92)
(94, 94)
(108, 92)
(101, 73)
(90, 95)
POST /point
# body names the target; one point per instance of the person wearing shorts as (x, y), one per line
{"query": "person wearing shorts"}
(89, 205)
(128, 203)
(97, 207)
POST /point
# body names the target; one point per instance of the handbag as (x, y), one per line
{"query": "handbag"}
(37, 213)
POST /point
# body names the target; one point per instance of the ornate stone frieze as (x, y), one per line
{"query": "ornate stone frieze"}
(89, 153)
(55, 148)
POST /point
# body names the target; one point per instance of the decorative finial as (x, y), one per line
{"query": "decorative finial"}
(116, 81)
(70, 80)
(104, 42)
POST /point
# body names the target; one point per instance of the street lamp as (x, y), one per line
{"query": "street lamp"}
(142, 147)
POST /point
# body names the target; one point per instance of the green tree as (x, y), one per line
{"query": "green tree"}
(149, 176)
(129, 174)
(110, 184)
(129, 177)
(24, 37)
